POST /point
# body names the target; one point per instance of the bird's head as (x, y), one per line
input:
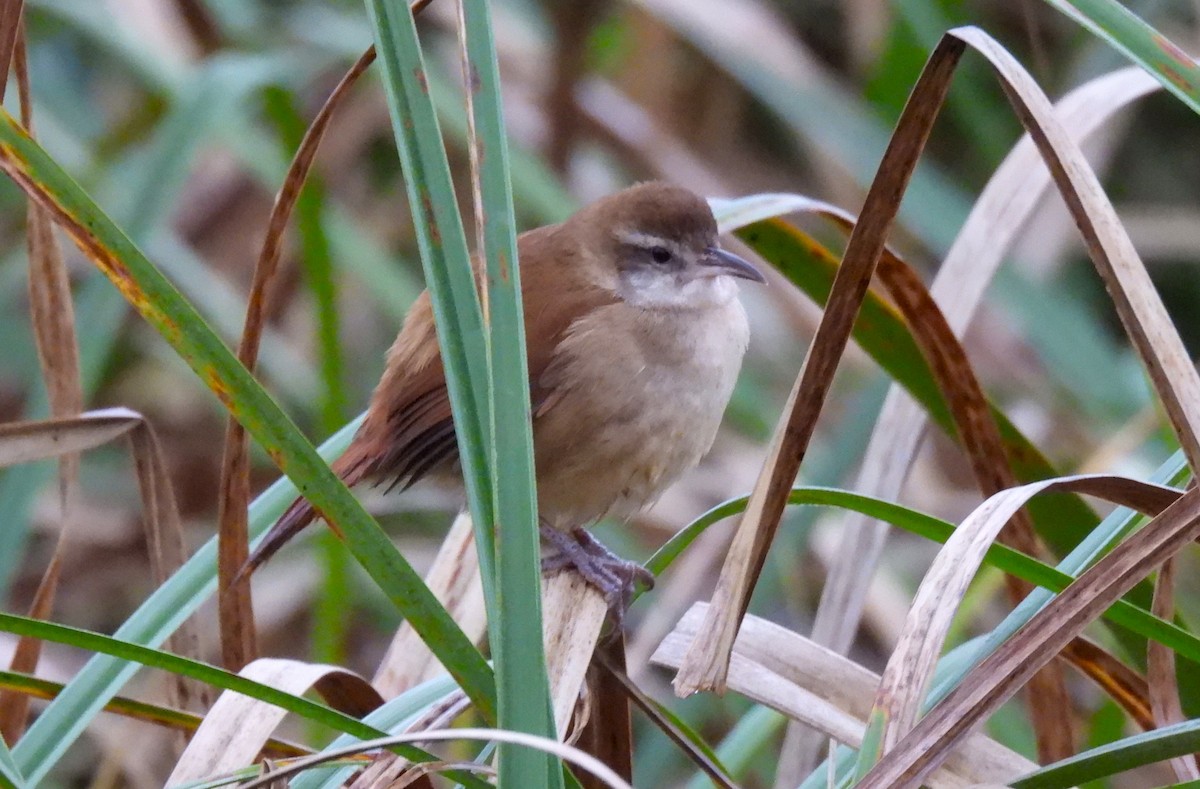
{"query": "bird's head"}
(655, 245)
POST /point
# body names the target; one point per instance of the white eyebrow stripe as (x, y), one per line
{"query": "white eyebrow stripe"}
(647, 241)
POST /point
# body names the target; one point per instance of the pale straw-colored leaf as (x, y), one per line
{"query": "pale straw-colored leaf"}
(573, 614)
(998, 676)
(454, 580)
(566, 752)
(825, 690)
(237, 727)
(910, 667)
(25, 442)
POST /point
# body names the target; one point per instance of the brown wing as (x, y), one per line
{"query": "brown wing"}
(409, 431)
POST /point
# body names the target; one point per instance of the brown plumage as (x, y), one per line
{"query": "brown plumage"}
(633, 337)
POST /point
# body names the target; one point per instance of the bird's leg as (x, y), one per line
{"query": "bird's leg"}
(614, 577)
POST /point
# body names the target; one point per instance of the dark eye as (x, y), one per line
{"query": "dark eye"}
(660, 254)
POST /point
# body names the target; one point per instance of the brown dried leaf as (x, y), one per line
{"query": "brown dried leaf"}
(608, 732)
(10, 30)
(1003, 208)
(1000, 212)
(236, 609)
(1122, 684)
(707, 662)
(237, 727)
(1160, 671)
(1138, 305)
(52, 314)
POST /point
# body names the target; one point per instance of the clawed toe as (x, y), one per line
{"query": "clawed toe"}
(615, 578)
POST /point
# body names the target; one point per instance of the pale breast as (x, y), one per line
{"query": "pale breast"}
(637, 398)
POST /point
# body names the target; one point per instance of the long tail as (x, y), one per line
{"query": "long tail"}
(350, 467)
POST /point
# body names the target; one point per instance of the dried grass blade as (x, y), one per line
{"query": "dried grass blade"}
(238, 727)
(608, 732)
(980, 437)
(910, 667)
(998, 676)
(52, 314)
(168, 551)
(25, 442)
(1002, 209)
(977, 430)
(235, 607)
(807, 682)
(1137, 302)
(1160, 672)
(10, 30)
(573, 613)
(707, 662)
(1122, 684)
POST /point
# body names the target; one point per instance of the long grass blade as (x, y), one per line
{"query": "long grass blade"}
(1141, 43)
(145, 287)
(516, 625)
(444, 257)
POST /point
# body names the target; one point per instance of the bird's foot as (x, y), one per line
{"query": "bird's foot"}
(615, 578)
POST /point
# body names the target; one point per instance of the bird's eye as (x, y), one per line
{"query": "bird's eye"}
(660, 254)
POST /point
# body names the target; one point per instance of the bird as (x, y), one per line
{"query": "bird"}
(634, 336)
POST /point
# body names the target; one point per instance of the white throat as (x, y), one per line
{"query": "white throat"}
(655, 290)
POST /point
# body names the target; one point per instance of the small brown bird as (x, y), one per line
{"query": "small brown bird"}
(634, 335)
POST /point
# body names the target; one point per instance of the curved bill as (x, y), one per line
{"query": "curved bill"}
(723, 262)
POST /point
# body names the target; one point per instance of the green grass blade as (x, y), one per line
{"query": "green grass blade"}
(444, 258)
(10, 776)
(212, 675)
(880, 331)
(179, 323)
(1178, 739)
(217, 677)
(1129, 34)
(523, 691)
(1133, 617)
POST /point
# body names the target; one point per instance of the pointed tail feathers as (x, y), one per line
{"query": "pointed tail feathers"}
(349, 467)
